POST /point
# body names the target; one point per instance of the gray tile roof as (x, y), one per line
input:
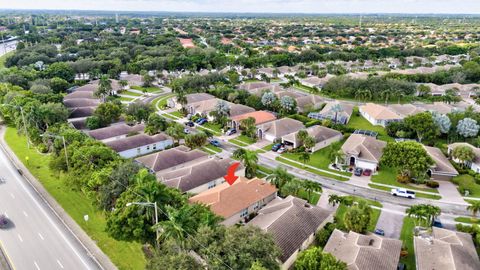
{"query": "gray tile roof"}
(291, 221)
(282, 127)
(170, 158)
(364, 147)
(81, 102)
(114, 131)
(132, 142)
(364, 252)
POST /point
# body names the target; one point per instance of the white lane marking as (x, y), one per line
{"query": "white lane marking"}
(41, 236)
(36, 265)
(59, 263)
(19, 180)
(20, 237)
(11, 195)
(25, 214)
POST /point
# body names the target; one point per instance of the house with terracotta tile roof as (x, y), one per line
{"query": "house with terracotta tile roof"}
(293, 223)
(237, 201)
(364, 252)
(261, 117)
(379, 115)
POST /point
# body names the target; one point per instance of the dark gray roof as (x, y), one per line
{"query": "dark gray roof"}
(81, 102)
(79, 123)
(135, 141)
(291, 221)
(81, 112)
(170, 158)
(114, 131)
(80, 94)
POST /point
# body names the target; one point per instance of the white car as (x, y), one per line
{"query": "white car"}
(402, 192)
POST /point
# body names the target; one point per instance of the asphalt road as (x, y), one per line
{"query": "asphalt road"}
(36, 238)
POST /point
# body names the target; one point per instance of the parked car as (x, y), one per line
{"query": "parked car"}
(198, 119)
(215, 143)
(437, 223)
(281, 150)
(202, 121)
(379, 232)
(402, 192)
(190, 124)
(367, 172)
(358, 171)
(276, 146)
(186, 131)
(3, 221)
(231, 132)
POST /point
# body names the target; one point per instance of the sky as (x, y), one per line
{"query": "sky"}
(258, 6)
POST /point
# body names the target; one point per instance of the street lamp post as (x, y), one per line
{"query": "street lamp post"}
(64, 145)
(149, 204)
(23, 120)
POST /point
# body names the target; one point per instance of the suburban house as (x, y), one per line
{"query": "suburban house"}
(308, 102)
(341, 112)
(442, 168)
(191, 98)
(363, 151)
(475, 163)
(115, 132)
(315, 81)
(275, 130)
(405, 110)
(197, 177)
(365, 252)
(323, 137)
(132, 79)
(438, 107)
(379, 115)
(140, 144)
(174, 158)
(445, 250)
(293, 223)
(237, 201)
(205, 107)
(261, 117)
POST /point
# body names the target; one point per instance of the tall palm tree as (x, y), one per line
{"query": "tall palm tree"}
(336, 109)
(311, 187)
(334, 199)
(178, 225)
(279, 177)
(175, 131)
(104, 87)
(474, 207)
(249, 159)
(304, 158)
(182, 99)
(424, 214)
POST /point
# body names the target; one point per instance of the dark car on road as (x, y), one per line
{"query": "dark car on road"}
(190, 124)
(379, 232)
(358, 171)
(231, 131)
(3, 221)
(215, 143)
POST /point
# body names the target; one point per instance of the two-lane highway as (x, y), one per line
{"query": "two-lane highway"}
(36, 239)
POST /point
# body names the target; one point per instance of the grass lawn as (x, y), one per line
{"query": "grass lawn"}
(177, 114)
(358, 122)
(467, 182)
(129, 93)
(125, 255)
(3, 59)
(319, 159)
(342, 209)
(211, 149)
(418, 195)
(242, 140)
(303, 194)
(151, 89)
(388, 176)
(468, 220)
(407, 238)
(336, 177)
(161, 102)
(215, 127)
(125, 99)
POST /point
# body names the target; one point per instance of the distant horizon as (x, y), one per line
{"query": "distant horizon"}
(309, 7)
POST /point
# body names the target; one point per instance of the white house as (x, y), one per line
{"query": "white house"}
(363, 151)
(140, 144)
(275, 130)
(474, 164)
(379, 115)
(323, 137)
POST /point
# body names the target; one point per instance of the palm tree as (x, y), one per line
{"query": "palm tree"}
(279, 177)
(175, 131)
(335, 199)
(182, 99)
(425, 214)
(304, 157)
(292, 187)
(178, 225)
(249, 159)
(123, 84)
(310, 187)
(474, 207)
(336, 109)
(104, 87)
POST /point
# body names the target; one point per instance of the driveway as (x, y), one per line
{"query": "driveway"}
(361, 181)
(449, 193)
(391, 220)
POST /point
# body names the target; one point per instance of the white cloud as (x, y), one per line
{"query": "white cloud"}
(260, 6)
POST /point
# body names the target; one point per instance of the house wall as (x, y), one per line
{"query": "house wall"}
(146, 149)
(235, 218)
(269, 137)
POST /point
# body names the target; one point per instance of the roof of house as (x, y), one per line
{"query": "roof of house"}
(78, 123)
(379, 112)
(239, 109)
(362, 252)
(81, 112)
(405, 110)
(309, 100)
(281, 127)
(319, 133)
(81, 102)
(79, 94)
(135, 141)
(446, 250)
(114, 131)
(205, 106)
(259, 116)
(253, 85)
(197, 97)
(171, 158)
(291, 221)
(476, 150)
(347, 109)
(442, 164)
(364, 147)
(190, 177)
(225, 200)
(438, 107)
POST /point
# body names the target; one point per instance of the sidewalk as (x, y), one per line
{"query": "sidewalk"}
(449, 192)
(88, 244)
